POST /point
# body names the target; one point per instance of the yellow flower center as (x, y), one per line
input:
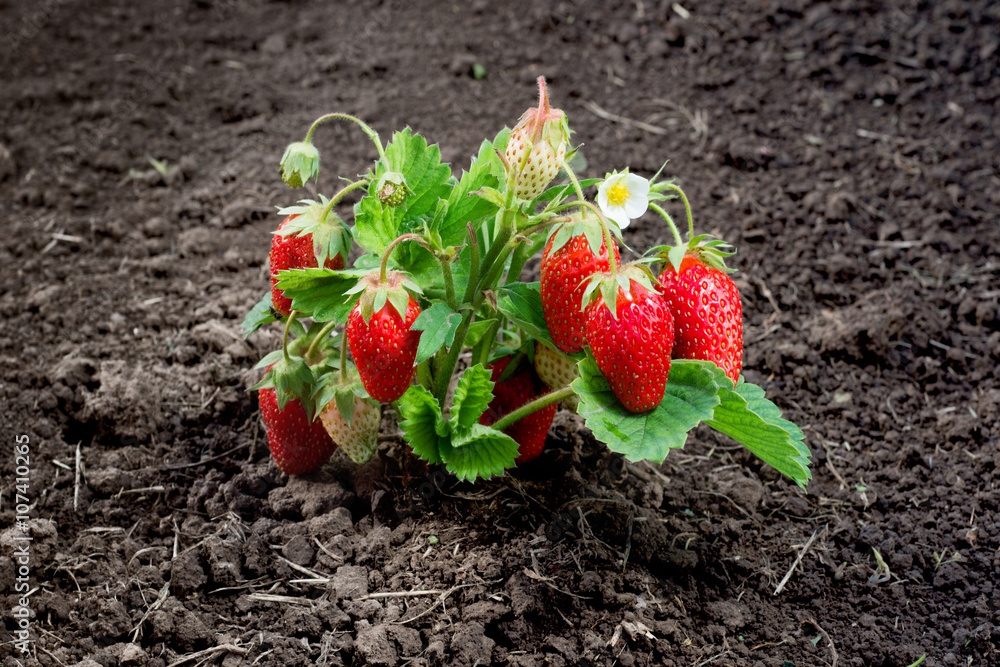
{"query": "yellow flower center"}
(618, 194)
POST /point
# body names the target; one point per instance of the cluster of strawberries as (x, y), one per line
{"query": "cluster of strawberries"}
(632, 321)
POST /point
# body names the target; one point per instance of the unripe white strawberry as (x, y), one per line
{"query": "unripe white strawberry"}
(359, 438)
(536, 150)
(557, 370)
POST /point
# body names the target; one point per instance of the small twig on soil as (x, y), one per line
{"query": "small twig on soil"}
(228, 648)
(615, 118)
(326, 551)
(396, 594)
(145, 489)
(284, 599)
(164, 593)
(443, 597)
(798, 559)
(76, 481)
(713, 658)
(42, 649)
(833, 649)
(735, 504)
(192, 464)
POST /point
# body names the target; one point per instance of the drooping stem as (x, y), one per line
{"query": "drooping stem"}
(284, 338)
(392, 246)
(343, 359)
(687, 208)
(340, 195)
(372, 134)
(533, 406)
(670, 223)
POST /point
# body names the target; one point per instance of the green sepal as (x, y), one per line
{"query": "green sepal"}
(473, 394)
(419, 414)
(262, 313)
(491, 195)
(290, 378)
(299, 164)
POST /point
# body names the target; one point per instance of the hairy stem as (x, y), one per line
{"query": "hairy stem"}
(670, 222)
(687, 209)
(340, 195)
(372, 134)
(533, 406)
(324, 332)
(284, 338)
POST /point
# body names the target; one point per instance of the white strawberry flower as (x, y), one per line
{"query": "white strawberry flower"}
(623, 197)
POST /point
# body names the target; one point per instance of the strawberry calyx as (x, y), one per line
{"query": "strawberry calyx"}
(299, 164)
(295, 373)
(586, 224)
(376, 290)
(705, 249)
(330, 235)
(609, 286)
(543, 123)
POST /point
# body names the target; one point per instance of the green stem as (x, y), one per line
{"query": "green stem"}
(470, 289)
(324, 332)
(670, 223)
(284, 338)
(372, 134)
(340, 195)
(392, 246)
(446, 370)
(449, 282)
(548, 223)
(687, 209)
(576, 184)
(343, 359)
(533, 406)
(482, 351)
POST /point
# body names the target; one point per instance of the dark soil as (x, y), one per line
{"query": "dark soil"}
(849, 149)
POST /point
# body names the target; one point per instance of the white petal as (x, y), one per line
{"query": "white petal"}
(637, 185)
(636, 206)
(617, 213)
(602, 199)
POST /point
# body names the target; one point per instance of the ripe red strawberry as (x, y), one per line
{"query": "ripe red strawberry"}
(632, 348)
(567, 261)
(523, 386)
(536, 149)
(298, 244)
(708, 315)
(299, 446)
(359, 438)
(383, 345)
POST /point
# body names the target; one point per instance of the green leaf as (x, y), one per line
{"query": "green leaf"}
(321, 293)
(258, 316)
(472, 396)
(477, 330)
(748, 417)
(690, 397)
(479, 452)
(421, 166)
(462, 207)
(439, 324)
(522, 304)
(376, 225)
(419, 414)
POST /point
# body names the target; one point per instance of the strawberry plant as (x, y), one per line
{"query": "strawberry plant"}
(440, 322)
